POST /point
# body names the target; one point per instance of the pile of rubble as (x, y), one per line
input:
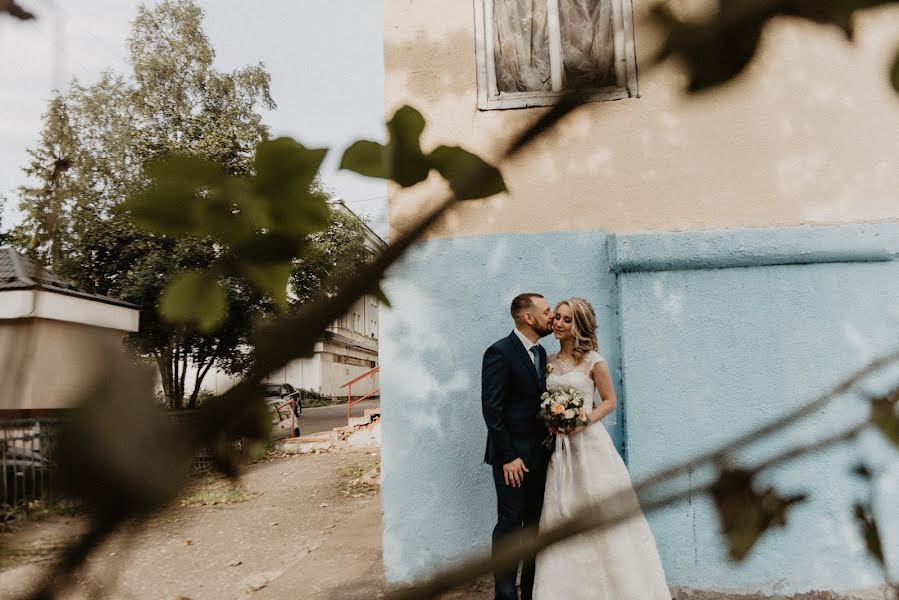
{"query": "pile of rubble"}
(360, 432)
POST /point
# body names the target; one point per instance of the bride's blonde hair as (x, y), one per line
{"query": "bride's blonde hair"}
(583, 326)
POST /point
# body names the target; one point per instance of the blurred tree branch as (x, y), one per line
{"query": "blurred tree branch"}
(714, 51)
(15, 10)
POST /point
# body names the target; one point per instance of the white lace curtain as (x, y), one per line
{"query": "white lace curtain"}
(523, 44)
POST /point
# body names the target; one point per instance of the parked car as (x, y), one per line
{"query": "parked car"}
(285, 422)
(284, 392)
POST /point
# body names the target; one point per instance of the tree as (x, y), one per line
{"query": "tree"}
(342, 244)
(94, 146)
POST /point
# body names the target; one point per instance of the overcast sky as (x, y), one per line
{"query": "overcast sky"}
(325, 58)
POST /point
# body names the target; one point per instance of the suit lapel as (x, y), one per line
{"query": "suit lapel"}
(526, 358)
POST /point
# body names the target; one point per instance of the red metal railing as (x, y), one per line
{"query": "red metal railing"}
(349, 394)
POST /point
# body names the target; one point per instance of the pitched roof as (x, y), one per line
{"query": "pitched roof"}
(19, 272)
(371, 237)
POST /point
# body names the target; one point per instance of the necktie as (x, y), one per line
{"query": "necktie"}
(535, 350)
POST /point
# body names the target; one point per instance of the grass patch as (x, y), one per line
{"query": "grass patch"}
(35, 510)
(213, 490)
(322, 401)
(361, 479)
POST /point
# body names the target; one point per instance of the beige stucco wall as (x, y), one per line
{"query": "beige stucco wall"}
(807, 136)
(335, 373)
(46, 363)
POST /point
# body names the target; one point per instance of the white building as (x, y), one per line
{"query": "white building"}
(347, 350)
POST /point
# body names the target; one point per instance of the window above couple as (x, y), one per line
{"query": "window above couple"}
(531, 52)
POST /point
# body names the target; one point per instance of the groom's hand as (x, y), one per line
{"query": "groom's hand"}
(513, 472)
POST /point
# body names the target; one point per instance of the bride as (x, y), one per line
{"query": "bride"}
(617, 563)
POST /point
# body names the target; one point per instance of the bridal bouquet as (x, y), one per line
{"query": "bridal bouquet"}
(562, 410)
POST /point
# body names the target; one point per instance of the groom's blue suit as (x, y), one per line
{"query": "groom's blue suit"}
(510, 398)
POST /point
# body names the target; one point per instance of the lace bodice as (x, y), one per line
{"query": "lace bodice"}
(566, 374)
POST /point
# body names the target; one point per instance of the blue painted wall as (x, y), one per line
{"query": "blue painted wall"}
(719, 332)
(450, 302)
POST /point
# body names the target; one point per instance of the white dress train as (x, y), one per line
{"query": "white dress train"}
(618, 563)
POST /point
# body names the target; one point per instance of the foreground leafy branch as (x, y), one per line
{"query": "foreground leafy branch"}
(247, 214)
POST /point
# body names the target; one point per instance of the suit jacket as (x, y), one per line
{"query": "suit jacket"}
(510, 399)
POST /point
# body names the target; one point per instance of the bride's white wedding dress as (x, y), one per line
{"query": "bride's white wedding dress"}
(618, 563)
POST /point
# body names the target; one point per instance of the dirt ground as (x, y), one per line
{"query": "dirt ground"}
(297, 527)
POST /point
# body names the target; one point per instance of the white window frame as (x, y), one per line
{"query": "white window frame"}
(489, 97)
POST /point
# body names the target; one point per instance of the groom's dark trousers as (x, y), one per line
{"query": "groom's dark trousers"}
(510, 397)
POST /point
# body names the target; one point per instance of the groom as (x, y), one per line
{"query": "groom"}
(512, 380)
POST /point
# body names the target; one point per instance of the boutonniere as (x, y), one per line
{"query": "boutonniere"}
(547, 370)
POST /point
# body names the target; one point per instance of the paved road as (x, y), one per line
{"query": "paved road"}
(325, 418)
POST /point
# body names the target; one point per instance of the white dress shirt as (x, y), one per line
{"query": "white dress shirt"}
(528, 344)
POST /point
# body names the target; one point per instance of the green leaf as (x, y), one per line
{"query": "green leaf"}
(271, 279)
(188, 170)
(745, 513)
(403, 161)
(366, 158)
(868, 525)
(195, 297)
(713, 51)
(163, 210)
(884, 416)
(171, 204)
(268, 248)
(285, 176)
(468, 175)
(407, 164)
(283, 164)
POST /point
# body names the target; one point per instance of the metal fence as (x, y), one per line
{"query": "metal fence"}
(26, 458)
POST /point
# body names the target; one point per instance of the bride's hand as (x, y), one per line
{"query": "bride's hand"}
(576, 430)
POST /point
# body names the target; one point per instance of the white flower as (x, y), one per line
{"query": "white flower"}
(563, 398)
(568, 414)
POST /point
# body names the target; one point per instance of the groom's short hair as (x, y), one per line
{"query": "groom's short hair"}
(521, 303)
